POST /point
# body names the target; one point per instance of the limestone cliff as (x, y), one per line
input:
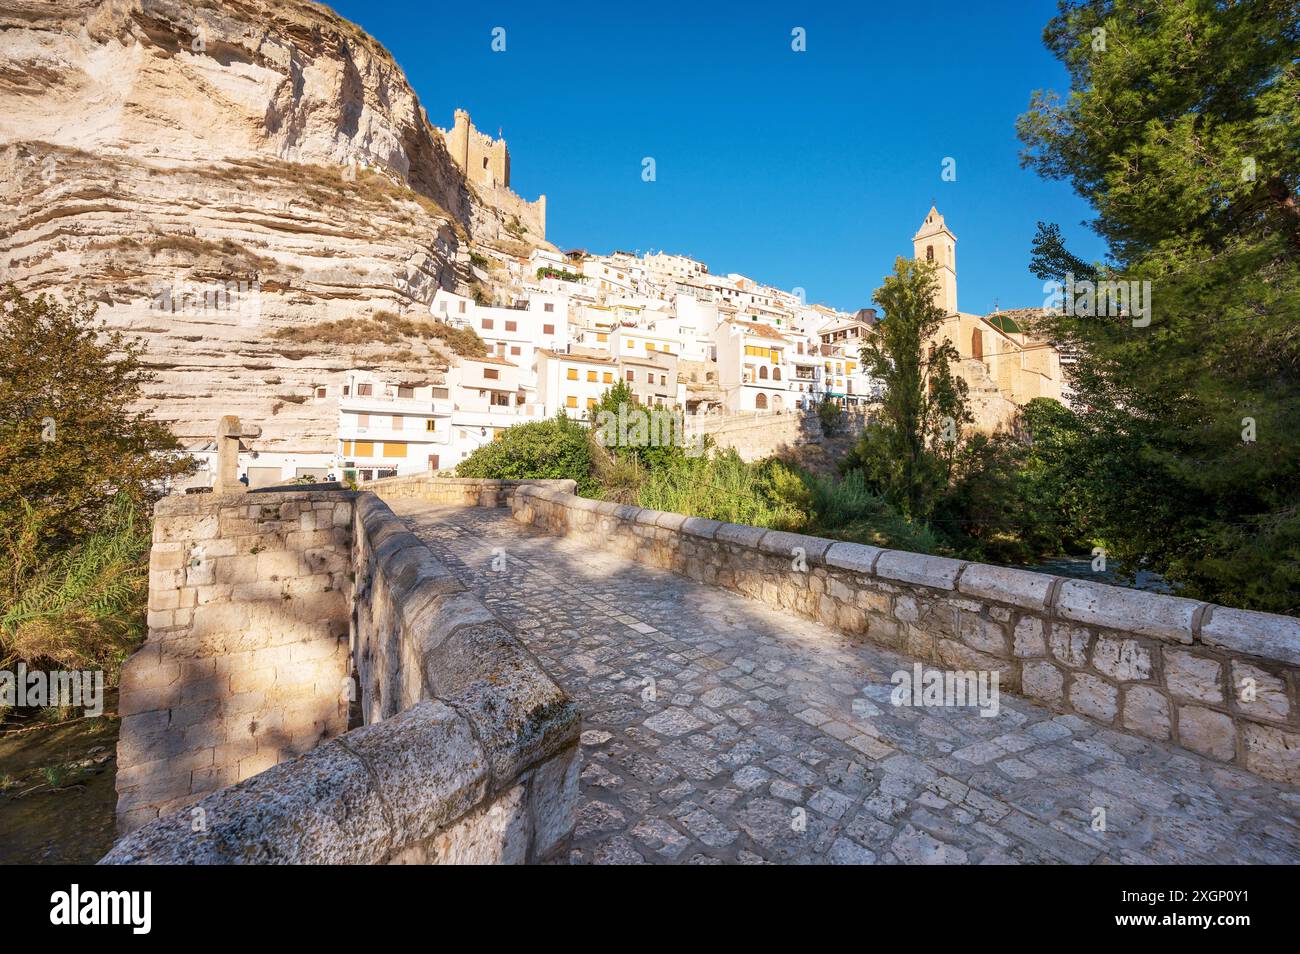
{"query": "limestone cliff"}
(267, 159)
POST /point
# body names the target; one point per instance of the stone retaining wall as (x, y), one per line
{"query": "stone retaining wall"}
(469, 753)
(1218, 681)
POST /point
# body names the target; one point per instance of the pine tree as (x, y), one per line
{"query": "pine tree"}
(1182, 128)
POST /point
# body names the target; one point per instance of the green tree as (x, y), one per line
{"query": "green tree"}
(908, 451)
(557, 448)
(80, 463)
(74, 435)
(1182, 128)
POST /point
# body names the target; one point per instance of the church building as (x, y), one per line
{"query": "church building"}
(1002, 362)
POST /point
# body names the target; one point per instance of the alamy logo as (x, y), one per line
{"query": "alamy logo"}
(242, 299)
(1088, 299)
(134, 908)
(84, 689)
(940, 687)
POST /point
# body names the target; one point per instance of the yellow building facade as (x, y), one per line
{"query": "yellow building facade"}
(1002, 362)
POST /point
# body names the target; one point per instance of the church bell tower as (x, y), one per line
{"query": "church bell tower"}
(933, 242)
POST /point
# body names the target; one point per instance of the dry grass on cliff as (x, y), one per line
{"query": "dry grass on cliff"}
(198, 249)
(329, 185)
(386, 327)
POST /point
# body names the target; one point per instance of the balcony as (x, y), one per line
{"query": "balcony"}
(386, 404)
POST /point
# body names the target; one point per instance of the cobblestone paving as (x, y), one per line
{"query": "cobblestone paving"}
(770, 738)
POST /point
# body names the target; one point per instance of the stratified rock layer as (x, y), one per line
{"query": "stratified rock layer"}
(270, 151)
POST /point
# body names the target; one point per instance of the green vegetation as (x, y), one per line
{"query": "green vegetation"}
(84, 607)
(78, 463)
(556, 449)
(1180, 130)
(831, 416)
(626, 464)
(562, 274)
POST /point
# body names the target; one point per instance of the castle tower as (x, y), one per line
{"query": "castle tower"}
(934, 242)
(459, 144)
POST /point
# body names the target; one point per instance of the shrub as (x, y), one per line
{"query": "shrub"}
(557, 448)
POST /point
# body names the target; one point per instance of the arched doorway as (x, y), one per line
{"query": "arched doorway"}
(977, 344)
(760, 401)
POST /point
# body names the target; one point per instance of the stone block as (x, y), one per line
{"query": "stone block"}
(954, 655)
(1030, 637)
(1070, 644)
(1208, 732)
(1258, 693)
(1094, 697)
(1146, 712)
(739, 535)
(1042, 680)
(1124, 660)
(784, 545)
(854, 557)
(1272, 752)
(1131, 611)
(1006, 585)
(1191, 676)
(278, 564)
(986, 635)
(938, 572)
(554, 793)
(700, 527)
(1255, 634)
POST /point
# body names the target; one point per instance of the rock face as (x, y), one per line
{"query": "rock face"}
(214, 173)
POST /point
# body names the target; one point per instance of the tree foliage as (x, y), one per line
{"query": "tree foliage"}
(908, 452)
(1182, 128)
(80, 459)
(557, 448)
(74, 434)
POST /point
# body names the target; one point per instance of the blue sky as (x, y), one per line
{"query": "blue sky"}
(808, 170)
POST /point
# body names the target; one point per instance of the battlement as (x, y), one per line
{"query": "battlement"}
(485, 161)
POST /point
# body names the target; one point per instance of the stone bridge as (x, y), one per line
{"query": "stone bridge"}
(734, 684)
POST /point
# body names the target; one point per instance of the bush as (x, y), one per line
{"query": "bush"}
(557, 448)
(831, 417)
(721, 486)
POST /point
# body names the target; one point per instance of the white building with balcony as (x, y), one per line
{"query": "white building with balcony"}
(391, 427)
(753, 369)
(573, 382)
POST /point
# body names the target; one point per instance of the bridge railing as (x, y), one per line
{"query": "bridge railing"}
(265, 608)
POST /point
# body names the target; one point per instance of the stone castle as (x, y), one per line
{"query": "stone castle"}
(486, 164)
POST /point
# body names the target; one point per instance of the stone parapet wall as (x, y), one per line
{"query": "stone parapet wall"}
(469, 752)
(247, 651)
(1221, 682)
(458, 491)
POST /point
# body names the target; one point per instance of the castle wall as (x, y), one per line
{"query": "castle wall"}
(486, 164)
